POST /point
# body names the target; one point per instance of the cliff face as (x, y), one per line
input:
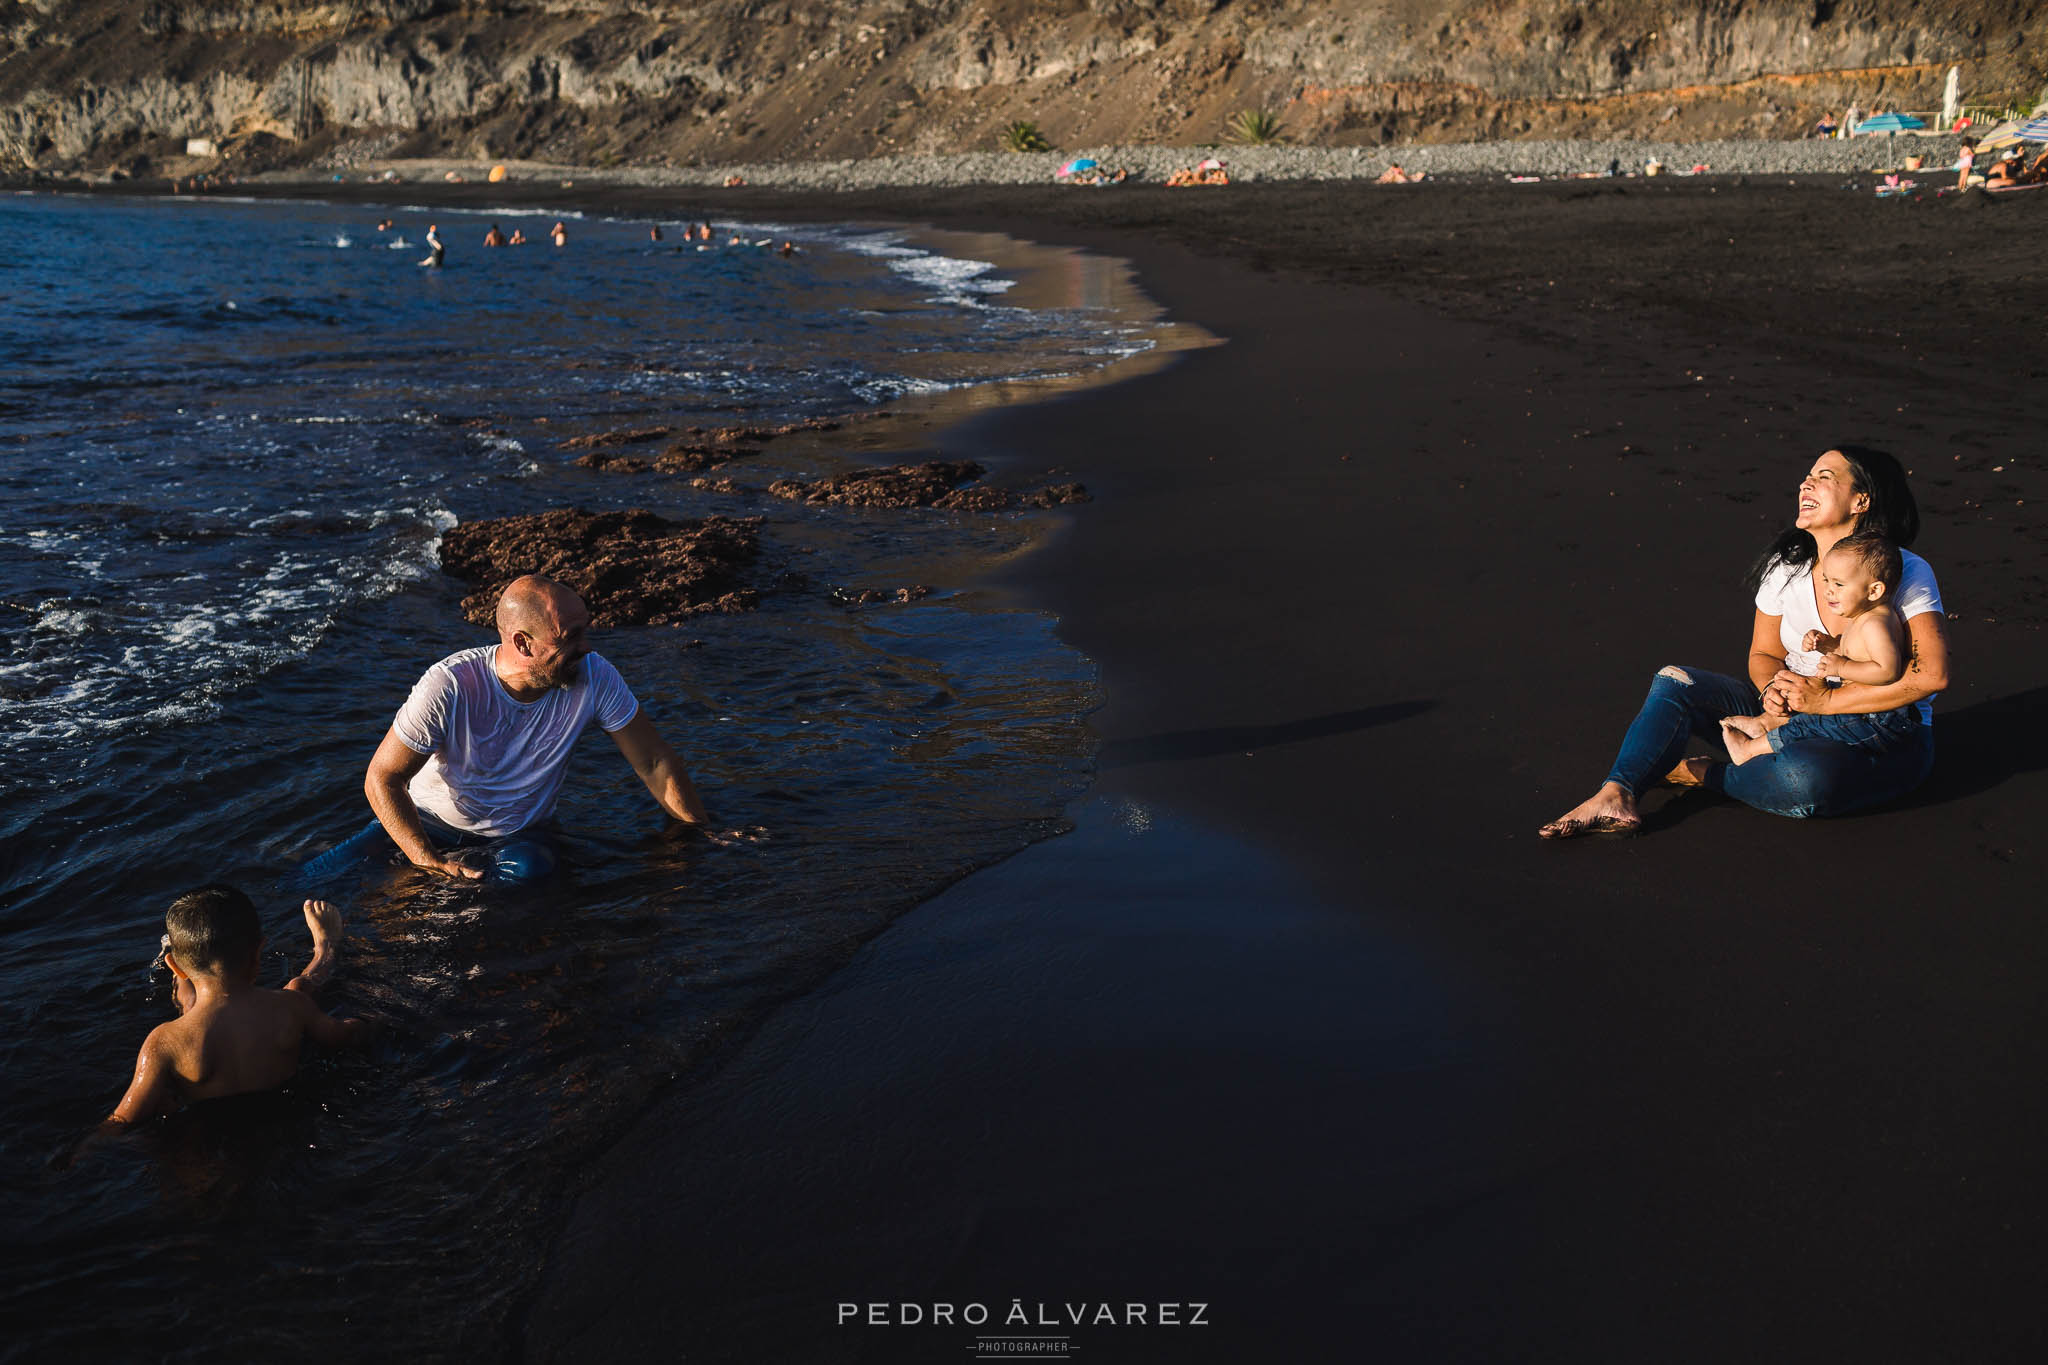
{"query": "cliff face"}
(93, 83)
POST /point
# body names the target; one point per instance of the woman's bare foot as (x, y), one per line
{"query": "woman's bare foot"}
(1743, 742)
(1610, 810)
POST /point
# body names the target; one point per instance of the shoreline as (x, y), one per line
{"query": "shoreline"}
(1688, 1065)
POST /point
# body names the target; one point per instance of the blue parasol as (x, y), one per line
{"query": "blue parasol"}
(1077, 165)
(2034, 129)
(1891, 125)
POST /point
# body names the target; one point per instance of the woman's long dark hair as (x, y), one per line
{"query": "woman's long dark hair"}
(1892, 513)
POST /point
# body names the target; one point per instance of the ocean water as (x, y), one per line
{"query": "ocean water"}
(231, 435)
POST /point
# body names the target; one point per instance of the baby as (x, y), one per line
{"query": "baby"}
(231, 1036)
(1858, 579)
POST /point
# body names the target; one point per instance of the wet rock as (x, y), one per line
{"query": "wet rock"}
(602, 440)
(1055, 495)
(718, 485)
(631, 568)
(906, 485)
(862, 597)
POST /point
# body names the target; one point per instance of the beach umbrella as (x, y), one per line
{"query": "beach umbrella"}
(1077, 165)
(2035, 129)
(1891, 125)
(2004, 135)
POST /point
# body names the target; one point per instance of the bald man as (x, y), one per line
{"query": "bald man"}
(478, 749)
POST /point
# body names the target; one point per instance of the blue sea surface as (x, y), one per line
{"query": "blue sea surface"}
(231, 435)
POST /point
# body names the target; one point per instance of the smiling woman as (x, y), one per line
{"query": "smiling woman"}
(1849, 490)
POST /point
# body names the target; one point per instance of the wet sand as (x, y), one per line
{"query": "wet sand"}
(1303, 1022)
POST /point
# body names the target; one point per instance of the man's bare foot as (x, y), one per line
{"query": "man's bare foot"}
(1608, 811)
(1690, 772)
(1742, 745)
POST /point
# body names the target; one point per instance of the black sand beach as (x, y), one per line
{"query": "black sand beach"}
(1303, 1023)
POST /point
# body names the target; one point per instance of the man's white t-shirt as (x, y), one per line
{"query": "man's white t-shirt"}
(1787, 593)
(496, 762)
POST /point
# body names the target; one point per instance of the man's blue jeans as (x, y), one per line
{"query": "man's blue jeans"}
(1810, 776)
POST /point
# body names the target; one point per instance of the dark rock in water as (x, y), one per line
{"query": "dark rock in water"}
(631, 568)
(599, 440)
(1055, 495)
(944, 484)
(684, 457)
(907, 485)
(862, 597)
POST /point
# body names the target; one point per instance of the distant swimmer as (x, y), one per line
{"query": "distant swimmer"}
(518, 238)
(494, 237)
(478, 751)
(703, 232)
(654, 233)
(787, 249)
(435, 251)
(384, 226)
(560, 234)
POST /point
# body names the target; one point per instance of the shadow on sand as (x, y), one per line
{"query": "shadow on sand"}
(1186, 744)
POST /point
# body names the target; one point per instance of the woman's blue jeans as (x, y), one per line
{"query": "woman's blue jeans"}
(1808, 777)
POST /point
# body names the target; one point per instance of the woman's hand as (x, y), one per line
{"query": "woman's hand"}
(1797, 694)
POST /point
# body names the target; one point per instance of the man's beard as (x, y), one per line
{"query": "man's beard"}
(568, 675)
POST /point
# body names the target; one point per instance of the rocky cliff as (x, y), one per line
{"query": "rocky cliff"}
(98, 83)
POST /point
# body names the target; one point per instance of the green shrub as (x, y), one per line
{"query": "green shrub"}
(1023, 136)
(1254, 126)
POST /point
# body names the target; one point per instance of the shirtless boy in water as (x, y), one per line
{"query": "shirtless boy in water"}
(231, 1036)
(1858, 578)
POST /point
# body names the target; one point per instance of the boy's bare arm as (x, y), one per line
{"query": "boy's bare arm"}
(154, 1091)
(328, 1031)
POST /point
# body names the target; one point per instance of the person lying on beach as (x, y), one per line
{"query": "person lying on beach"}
(1396, 175)
(478, 751)
(1849, 490)
(1859, 578)
(231, 1036)
(494, 237)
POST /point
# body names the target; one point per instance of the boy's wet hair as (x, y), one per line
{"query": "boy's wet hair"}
(1879, 556)
(213, 928)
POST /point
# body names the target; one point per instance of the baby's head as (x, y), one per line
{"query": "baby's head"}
(214, 931)
(1860, 572)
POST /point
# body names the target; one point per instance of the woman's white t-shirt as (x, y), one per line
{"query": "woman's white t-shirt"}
(1787, 593)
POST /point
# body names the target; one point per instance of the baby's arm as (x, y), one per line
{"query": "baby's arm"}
(324, 922)
(154, 1089)
(1876, 635)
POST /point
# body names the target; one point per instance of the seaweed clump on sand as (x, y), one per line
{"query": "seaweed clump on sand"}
(631, 568)
(944, 484)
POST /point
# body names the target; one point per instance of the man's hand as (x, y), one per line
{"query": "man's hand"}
(449, 867)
